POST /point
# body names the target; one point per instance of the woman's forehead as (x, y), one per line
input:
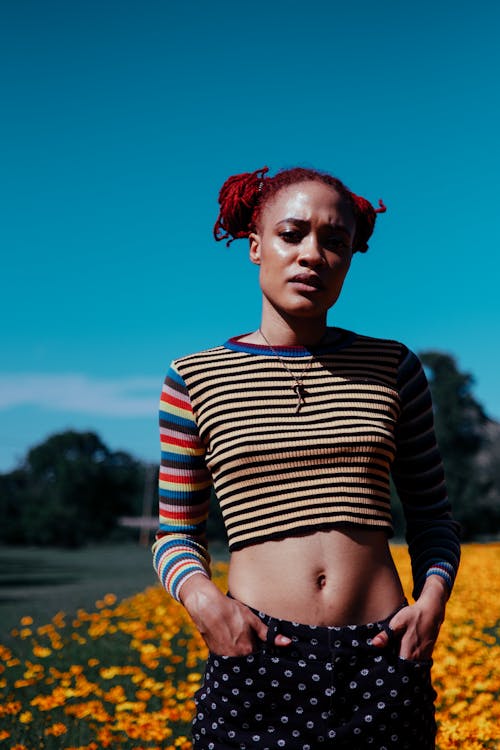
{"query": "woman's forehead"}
(306, 200)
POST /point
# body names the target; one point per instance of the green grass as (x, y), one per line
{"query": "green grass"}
(42, 581)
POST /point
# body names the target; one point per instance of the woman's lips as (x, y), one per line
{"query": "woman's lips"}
(307, 282)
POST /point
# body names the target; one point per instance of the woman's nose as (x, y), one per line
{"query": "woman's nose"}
(311, 252)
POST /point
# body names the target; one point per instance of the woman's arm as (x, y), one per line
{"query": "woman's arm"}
(431, 533)
(180, 551)
(418, 474)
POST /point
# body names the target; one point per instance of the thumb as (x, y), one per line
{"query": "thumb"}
(381, 640)
(282, 640)
(261, 631)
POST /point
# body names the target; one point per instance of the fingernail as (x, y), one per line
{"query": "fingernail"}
(284, 640)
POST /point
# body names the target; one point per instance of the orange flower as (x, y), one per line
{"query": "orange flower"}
(136, 691)
(56, 729)
(10, 708)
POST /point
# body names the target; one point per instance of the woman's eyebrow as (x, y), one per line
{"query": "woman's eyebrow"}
(293, 220)
(305, 223)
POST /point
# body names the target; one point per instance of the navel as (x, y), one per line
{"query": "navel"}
(321, 581)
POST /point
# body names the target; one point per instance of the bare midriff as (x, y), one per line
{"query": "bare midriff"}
(339, 577)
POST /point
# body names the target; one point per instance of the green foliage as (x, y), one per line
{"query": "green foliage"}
(71, 490)
(459, 418)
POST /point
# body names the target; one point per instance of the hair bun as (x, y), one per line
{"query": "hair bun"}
(365, 221)
(238, 198)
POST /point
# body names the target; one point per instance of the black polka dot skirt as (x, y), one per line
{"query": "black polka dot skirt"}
(329, 689)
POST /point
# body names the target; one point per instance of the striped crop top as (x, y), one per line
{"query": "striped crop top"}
(228, 418)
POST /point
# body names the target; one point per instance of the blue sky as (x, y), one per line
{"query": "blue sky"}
(122, 119)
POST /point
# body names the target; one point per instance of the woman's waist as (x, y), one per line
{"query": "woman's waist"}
(329, 578)
(322, 640)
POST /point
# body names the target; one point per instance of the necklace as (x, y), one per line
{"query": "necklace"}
(298, 386)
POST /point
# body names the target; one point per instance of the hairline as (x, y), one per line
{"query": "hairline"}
(341, 191)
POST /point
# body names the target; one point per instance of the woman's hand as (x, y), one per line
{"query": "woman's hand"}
(417, 626)
(228, 627)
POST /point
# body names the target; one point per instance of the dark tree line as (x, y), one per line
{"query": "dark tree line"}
(71, 489)
(469, 442)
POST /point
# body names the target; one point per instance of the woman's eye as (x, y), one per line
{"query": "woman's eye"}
(291, 236)
(336, 243)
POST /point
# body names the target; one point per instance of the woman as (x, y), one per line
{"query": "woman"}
(299, 426)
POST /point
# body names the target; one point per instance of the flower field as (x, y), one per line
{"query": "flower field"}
(124, 675)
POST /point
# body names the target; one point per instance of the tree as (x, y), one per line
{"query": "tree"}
(461, 429)
(70, 490)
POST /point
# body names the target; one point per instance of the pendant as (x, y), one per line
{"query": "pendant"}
(298, 389)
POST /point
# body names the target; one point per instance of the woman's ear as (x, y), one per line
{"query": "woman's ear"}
(254, 248)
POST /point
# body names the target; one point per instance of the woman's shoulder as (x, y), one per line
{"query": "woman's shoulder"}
(389, 357)
(198, 359)
(365, 342)
(193, 358)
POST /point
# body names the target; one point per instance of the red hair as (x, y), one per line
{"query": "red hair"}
(243, 197)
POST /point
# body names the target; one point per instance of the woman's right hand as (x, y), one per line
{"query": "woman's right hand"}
(228, 627)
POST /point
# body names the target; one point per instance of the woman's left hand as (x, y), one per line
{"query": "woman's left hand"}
(417, 626)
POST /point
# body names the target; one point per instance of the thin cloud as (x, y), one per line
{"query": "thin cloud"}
(119, 397)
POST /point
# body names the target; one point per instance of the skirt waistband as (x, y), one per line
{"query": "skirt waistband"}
(323, 640)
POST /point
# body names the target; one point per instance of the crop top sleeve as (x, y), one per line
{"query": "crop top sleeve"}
(417, 471)
(180, 549)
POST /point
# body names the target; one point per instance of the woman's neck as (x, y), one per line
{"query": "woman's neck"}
(278, 331)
